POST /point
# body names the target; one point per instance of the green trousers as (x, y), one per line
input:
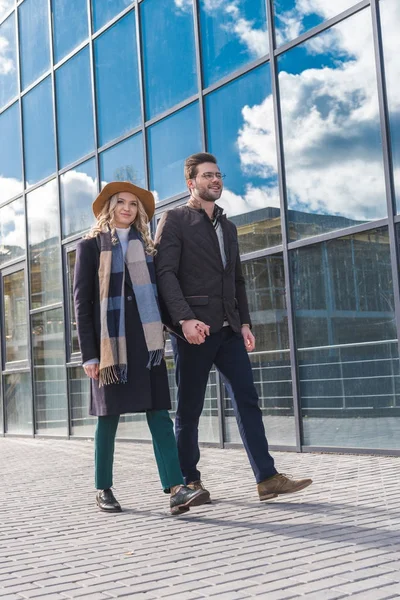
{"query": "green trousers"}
(164, 444)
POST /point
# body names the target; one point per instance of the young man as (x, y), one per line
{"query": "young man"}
(203, 291)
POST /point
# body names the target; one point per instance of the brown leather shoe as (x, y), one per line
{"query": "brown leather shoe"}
(198, 485)
(280, 484)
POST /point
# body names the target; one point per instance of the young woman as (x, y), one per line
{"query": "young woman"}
(121, 338)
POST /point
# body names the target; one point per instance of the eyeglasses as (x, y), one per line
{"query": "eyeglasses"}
(211, 176)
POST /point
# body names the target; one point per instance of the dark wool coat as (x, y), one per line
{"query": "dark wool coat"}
(192, 280)
(146, 389)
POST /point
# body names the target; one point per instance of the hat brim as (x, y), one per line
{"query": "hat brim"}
(115, 187)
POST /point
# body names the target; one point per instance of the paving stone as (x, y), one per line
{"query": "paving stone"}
(340, 538)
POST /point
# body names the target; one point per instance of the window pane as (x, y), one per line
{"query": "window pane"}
(10, 153)
(104, 10)
(124, 162)
(347, 342)
(49, 372)
(5, 6)
(390, 18)
(78, 190)
(8, 61)
(34, 43)
(243, 140)
(37, 108)
(15, 318)
(74, 109)
(71, 258)
(18, 403)
(166, 166)
(117, 80)
(44, 245)
(12, 231)
(70, 26)
(331, 130)
(265, 282)
(232, 35)
(293, 17)
(169, 62)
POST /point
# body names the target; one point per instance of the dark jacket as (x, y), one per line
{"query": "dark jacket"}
(146, 389)
(192, 281)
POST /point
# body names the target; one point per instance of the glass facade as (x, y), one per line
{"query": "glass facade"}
(299, 102)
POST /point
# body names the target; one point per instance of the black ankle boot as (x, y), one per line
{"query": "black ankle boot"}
(107, 501)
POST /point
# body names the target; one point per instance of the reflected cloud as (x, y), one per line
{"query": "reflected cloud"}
(9, 187)
(12, 230)
(253, 199)
(330, 124)
(43, 213)
(78, 190)
(5, 5)
(296, 16)
(232, 20)
(7, 65)
(255, 40)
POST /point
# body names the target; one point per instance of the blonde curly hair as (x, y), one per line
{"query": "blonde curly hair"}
(105, 222)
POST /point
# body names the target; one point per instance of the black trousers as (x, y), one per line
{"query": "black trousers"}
(227, 352)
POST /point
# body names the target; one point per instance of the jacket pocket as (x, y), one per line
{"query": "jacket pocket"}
(196, 300)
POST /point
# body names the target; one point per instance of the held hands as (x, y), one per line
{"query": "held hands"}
(92, 370)
(248, 338)
(195, 331)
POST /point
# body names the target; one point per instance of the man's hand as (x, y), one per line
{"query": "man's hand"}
(92, 370)
(195, 331)
(249, 339)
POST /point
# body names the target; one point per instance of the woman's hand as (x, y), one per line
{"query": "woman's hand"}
(92, 370)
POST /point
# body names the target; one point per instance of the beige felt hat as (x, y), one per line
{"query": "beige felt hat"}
(114, 187)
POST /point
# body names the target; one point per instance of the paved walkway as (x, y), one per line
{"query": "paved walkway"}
(340, 538)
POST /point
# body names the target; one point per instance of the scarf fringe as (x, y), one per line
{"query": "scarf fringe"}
(113, 374)
(155, 358)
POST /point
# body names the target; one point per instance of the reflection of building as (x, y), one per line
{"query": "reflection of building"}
(311, 186)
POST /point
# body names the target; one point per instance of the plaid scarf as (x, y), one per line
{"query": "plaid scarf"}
(113, 353)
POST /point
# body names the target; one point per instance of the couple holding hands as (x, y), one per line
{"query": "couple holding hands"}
(189, 279)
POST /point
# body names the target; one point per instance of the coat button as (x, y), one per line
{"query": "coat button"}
(129, 298)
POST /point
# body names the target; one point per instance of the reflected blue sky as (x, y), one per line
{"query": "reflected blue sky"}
(237, 136)
(10, 153)
(104, 10)
(33, 26)
(78, 190)
(70, 26)
(232, 34)
(8, 61)
(331, 129)
(169, 142)
(390, 19)
(37, 108)
(117, 80)
(124, 162)
(294, 17)
(168, 53)
(12, 230)
(74, 110)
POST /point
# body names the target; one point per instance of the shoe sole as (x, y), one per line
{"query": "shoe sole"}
(298, 489)
(109, 510)
(268, 497)
(202, 498)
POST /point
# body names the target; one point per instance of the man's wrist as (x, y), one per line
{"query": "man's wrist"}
(246, 325)
(181, 322)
